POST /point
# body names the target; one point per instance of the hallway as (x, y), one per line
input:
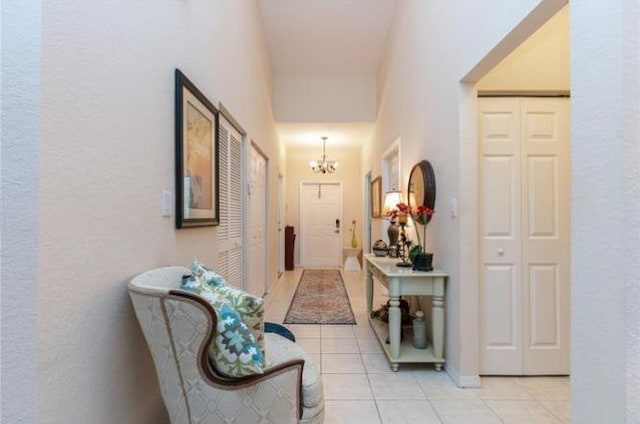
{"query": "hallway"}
(360, 387)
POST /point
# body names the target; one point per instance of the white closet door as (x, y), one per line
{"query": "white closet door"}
(546, 239)
(230, 250)
(500, 233)
(525, 240)
(257, 282)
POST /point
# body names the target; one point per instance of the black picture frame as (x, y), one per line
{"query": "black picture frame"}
(197, 174)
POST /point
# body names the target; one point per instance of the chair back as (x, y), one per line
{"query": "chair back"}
(175, 329)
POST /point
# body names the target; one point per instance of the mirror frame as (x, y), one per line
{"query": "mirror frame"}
(429, 183)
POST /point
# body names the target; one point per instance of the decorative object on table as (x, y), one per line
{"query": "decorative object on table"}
(376, 197)
(354, 239)
(419, 331)
(421, 260)
(415, 250)
(320, 298)
(196, 129)
(379, 248)
(391, 199)
(422, 198)
(403, 245)
(382, 313)
(324, 166)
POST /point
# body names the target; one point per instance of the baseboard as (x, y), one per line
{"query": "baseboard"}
(470, 381)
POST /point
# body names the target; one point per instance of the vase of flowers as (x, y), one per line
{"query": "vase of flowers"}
(402, 212)
(422, 261)
(354, 239)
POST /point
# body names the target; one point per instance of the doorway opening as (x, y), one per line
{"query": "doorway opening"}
(521, 64)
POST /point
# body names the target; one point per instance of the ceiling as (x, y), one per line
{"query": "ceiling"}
(325, 38)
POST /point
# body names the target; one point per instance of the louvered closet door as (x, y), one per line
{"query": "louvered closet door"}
(231, 258)
(525, 240)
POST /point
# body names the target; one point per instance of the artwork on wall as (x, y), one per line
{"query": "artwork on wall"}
(376, 197)
(196, 156)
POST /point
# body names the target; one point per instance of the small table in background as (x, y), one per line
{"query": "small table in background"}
(405, 282)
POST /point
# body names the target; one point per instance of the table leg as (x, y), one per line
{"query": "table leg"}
(394, 330)
(437, 322)
(369, 288)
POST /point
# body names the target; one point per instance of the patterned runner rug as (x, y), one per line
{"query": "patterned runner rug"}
(320, 298)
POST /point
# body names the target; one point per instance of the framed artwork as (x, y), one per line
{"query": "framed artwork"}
(376, 197)
(196, 156)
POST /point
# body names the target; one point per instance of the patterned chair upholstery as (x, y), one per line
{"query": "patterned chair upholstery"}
(179, 326)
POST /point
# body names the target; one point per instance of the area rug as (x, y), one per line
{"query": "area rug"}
(320, 298)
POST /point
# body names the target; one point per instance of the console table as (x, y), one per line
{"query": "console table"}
(405, 282)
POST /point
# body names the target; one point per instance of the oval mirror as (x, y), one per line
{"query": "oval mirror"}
(422, 186)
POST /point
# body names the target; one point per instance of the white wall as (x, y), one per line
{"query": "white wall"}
(605, 368)
(107, 153)
(541, 63)
(348, 174)
(20, 118)
(325, 99)
(432, 46)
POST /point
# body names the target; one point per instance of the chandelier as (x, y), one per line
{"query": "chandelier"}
(324, 166)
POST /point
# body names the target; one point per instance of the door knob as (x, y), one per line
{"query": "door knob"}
(500, 251)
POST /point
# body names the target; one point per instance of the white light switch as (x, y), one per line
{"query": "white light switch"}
(165, 207)
(453, 207)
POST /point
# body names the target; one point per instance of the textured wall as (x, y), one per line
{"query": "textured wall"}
(605, 371)
(107, 153)
(325, 99)
(20, 143)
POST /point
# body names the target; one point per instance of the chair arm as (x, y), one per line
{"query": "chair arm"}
(215, 379)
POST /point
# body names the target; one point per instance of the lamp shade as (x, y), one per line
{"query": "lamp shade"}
(391, 199)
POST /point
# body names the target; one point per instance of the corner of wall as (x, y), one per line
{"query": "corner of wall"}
(464, 381)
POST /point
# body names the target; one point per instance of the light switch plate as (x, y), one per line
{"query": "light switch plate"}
(453, 207)
(165, 207)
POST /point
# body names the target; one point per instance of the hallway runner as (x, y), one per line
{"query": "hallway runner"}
(320, 298)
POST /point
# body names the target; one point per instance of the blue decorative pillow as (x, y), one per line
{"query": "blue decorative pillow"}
(234, 351)
(249, 307)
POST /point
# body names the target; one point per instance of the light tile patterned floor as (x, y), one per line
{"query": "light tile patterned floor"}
(360, 387)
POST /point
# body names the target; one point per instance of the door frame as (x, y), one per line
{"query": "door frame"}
(280, 222)
(367, 220)
(301, 220)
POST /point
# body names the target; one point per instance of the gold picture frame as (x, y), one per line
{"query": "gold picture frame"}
(376, 197)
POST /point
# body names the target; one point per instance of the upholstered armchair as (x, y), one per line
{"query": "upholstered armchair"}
(179, 326)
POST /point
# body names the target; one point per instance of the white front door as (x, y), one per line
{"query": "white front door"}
(525, 240)
(257, 283)
(320, 224)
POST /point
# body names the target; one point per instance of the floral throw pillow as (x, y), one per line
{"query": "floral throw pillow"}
(206, 275)
(234, 351)
(249, 307)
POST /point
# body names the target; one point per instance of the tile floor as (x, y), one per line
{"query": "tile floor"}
(359, 386)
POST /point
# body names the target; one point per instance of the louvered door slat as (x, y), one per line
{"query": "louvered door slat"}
(231, 259)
